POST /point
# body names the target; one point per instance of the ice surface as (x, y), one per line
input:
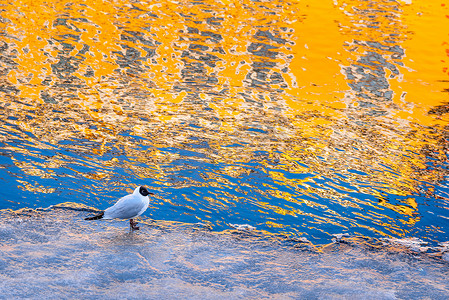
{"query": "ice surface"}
(55, 254)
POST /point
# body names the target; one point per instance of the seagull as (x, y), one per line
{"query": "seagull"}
(128, 207)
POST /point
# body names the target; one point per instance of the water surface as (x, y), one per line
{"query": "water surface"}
(298, 118)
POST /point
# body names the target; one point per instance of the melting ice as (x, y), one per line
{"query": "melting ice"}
(54, 253)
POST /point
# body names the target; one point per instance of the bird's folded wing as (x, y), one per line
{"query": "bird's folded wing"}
(126, 208)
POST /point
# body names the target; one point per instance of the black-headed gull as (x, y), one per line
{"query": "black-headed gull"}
(128, 207)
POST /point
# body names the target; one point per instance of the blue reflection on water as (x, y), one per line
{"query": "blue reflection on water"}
(342, 188)
(193, 188)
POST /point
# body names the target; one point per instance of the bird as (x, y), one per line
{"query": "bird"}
(127, 207)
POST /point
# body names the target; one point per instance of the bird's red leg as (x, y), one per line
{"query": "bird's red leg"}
(133, 224)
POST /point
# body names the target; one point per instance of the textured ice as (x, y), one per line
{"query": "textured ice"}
(55, 254)
(339, 237)
(414, 244)
(243, 227)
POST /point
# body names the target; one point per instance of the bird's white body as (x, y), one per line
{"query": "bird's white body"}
(128, 207)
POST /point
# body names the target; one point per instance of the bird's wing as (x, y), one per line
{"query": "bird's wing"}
(127, 207)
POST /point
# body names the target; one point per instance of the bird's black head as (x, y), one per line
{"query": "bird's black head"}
(144, 192)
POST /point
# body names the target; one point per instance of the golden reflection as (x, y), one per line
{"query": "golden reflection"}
(335, 90)
(36, 187)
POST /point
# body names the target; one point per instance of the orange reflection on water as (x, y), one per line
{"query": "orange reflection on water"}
(329, 89)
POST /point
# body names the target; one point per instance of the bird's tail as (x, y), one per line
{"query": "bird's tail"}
(97, 217)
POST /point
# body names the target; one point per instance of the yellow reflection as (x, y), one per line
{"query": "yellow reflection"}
(36, 187)
(323, 87)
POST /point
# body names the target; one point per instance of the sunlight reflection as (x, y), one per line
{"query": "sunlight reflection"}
(281, 114)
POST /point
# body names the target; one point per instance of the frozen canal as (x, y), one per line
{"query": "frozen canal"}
(55, 254)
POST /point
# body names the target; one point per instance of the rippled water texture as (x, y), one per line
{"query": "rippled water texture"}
(305, 118)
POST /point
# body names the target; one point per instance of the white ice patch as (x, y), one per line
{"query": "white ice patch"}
(57, 254)
(338, 237)
(243, 227)
(414, 244)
